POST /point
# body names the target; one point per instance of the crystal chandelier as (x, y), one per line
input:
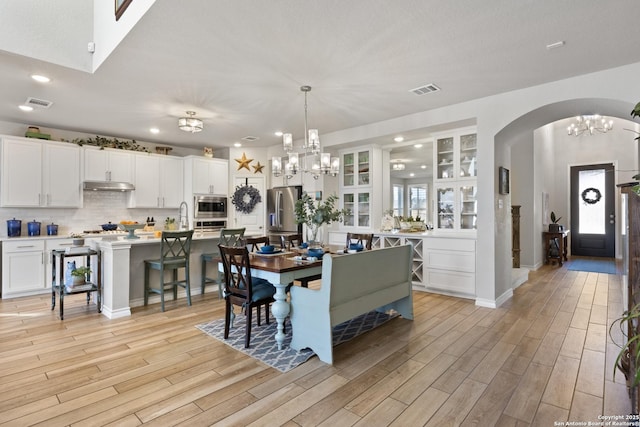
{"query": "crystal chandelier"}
(313, 161)
(190, 124)
(590, 123)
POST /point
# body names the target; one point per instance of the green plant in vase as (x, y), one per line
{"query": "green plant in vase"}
(80, 275)
(315, 215)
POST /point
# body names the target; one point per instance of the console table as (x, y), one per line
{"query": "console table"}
(560, 238)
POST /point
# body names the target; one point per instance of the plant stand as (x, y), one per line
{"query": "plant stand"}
(58, 285)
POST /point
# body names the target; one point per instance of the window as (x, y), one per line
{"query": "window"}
(418, 201)
(398, 200)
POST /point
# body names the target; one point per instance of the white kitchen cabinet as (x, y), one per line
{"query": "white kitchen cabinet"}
(440, 264)
(206, 176)
(108, 165)
(455, 182)
(159, 182)
(455, 155)
(23, 268)
(40, 174)
(361, 188)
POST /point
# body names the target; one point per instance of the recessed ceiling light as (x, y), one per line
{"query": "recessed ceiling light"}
(40, 78)
(278, 133)
(237, 145)
(398, 139)
(418, 145)
(412, 174)
(423, 166)
(25, 108)
(154, 130)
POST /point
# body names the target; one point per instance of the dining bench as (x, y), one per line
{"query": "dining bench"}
(351, 285)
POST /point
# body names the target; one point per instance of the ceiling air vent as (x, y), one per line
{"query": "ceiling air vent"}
(38, 103)
(250, 138)
(425, 89)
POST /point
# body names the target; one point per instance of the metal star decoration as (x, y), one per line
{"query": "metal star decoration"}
(257, 168)
(243, 162)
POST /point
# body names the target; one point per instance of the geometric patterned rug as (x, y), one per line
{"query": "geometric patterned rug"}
(264, 346)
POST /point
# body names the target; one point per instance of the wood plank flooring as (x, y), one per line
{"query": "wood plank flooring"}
(544, 357)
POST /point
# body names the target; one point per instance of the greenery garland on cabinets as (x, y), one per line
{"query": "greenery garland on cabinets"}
(102, 142)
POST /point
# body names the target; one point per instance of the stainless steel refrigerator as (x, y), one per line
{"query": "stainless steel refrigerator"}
(281, 218)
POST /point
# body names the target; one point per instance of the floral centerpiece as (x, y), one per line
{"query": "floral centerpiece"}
(314, 215)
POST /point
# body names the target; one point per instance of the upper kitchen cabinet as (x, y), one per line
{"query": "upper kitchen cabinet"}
(159, 182)
(455, 156)
(40, 174)
(361, 188)
(455, 182)
(206, 176)
(108, 165)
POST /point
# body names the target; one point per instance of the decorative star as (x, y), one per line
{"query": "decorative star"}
(243, 162)
(257, 168)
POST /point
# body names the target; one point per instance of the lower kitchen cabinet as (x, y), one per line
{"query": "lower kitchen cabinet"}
(444, 264)
(23, 268)
(441, 264)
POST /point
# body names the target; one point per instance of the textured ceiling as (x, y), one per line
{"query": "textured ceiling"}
(239, 64)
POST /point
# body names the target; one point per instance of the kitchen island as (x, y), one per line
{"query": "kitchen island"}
(123, 268)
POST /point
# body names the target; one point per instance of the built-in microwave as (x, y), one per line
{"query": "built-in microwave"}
(207, 206)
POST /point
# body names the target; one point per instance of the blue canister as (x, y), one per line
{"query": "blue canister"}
(52, 230)
(33, 228)
(14, 227)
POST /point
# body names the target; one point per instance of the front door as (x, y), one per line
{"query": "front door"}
(593, 210)
(253, 221)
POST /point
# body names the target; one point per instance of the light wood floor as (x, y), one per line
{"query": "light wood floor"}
(544, 356)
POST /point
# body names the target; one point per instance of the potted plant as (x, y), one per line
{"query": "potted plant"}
(78, 239)
(628, 360)
(79, 276)
(315, 215)
(554, 227)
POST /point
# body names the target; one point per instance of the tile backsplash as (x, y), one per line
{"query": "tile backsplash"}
(99, 207)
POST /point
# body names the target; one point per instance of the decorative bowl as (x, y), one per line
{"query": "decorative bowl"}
(315, 252)
(267, 249)
(131, 228)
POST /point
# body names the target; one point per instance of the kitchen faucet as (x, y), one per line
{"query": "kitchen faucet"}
(183, 220)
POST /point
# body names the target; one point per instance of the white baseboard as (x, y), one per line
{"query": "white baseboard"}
(482, 302)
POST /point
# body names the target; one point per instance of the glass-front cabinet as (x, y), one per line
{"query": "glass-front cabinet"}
(455, 170)
(456, 156)
(357, 185)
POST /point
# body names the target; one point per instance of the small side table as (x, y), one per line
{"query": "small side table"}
(561, 237)
(58, 284)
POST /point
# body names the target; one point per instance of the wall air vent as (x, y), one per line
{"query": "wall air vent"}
(250, 138)
(38, 103)
(425, 89)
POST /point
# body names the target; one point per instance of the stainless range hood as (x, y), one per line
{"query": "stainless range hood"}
(108, 186)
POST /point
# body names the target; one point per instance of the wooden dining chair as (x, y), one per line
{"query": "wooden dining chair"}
(287, 241)
(255, 243)
(175, 251)
(364, 239)
(228, 237)
(242, 289)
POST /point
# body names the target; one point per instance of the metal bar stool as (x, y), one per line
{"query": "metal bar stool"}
(175, 250)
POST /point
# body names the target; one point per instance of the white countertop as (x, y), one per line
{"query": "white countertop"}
(429, 233)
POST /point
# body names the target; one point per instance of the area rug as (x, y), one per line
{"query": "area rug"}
(593, 265)
(264, 346)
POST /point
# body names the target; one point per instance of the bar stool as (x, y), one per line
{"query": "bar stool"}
(228, 237)
(175, 250)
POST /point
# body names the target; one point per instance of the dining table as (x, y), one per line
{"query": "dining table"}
(281, 269)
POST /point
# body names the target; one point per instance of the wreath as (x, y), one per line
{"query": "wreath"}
(246, 197)
(591, 200)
